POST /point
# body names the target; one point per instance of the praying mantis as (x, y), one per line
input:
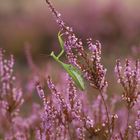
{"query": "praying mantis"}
(73, 72)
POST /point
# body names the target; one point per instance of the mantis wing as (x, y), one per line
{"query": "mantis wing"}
(75, 75)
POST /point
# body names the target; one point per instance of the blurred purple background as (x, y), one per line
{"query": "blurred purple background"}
(115, 23)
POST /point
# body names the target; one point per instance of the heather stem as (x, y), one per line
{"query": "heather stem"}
(107, 113)
(127, 126)
(128, 116)
(58, 18)
(52, 8)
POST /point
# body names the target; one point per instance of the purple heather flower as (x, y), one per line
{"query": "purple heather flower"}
(129, 80)
(80, 133)
(137, 125)
(9, 92)
(12, 125)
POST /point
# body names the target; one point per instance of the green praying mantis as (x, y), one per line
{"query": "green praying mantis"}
(73, 72)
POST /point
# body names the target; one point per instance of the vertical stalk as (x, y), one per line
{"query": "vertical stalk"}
(107, 113)
(128, 116)
(127, 125)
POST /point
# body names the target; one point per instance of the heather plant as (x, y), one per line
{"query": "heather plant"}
(11, 96)
(13, 125)
(67, 112)
(63, 120)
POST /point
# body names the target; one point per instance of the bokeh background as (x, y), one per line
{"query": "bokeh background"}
(115, 23)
